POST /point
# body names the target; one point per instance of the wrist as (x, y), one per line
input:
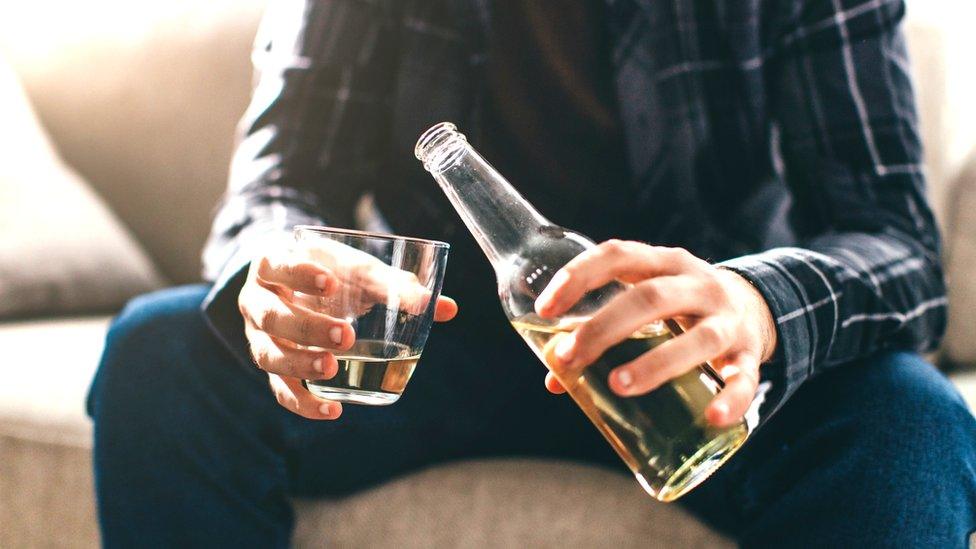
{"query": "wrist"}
(757, 313)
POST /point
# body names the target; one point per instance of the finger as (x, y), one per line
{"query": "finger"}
(553, 385)
(611, 260)
(703, 342)
(626, 313)
(296, 273)
(394, 287)
(445, 309)
(294, 397)
(361, 277)
(741, 381)
(282, 319)
(276, 356)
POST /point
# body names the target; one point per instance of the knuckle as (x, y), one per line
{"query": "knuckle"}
(268, 319)
(304, 409)
(584, 338)
(261, 357)
(290, 270)
(588, 344)
(649, 293)
(293, 368)
(264, 266)
(572, 271)
(680, 254)
(710, 287)
(613, 247)
(307, 271)
(306, 326)
(712, 336)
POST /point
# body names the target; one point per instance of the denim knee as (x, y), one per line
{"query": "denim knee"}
(153, 328)
(918, 439)
(906, 399)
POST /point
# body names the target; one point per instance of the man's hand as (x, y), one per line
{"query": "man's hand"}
(726, 319)
(280, 325)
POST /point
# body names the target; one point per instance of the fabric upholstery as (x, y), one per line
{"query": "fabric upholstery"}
(46, 497)
(44, 377)
(141, 98)
(502, 503)
(61, 249)
(960, 345)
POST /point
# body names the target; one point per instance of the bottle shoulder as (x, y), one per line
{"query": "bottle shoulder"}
(525, 274)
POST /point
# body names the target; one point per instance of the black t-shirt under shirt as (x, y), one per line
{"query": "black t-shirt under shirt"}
(551, 124)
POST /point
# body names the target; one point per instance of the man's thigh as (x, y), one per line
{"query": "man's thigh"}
(477, 391)
(881, 452)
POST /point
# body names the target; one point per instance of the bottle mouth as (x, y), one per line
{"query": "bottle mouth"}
(440, 147)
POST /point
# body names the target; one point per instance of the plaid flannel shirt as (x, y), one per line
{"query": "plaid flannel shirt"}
(778, 135)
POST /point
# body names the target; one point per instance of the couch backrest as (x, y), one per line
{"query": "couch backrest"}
(142, 97)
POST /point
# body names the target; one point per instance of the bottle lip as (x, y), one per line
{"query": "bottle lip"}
(440, 147)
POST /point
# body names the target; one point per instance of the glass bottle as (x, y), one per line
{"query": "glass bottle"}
(662, 436)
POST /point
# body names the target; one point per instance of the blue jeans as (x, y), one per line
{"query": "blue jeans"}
(191, 449)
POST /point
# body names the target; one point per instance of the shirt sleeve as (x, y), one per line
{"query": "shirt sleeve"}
(309, 142)
(866, 275)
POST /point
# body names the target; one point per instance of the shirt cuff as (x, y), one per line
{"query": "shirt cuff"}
(791, 363)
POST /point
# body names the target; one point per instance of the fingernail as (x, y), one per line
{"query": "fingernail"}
(326, 409)
(317, 364)
(625, 379)
(564, 348)
(321, 281)
(335, 334)
(722, 409)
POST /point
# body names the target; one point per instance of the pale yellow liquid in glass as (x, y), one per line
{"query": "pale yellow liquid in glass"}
(371, 372)
(661, 436)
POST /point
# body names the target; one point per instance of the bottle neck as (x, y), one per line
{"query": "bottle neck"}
(500, 219)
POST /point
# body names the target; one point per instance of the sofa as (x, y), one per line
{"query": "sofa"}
(127, 126)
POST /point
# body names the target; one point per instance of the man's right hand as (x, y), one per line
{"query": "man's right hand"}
(279, 328)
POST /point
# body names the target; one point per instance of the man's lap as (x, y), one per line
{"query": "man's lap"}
(467, 398)
(881, 424)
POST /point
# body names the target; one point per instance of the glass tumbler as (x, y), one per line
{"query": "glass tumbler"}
(388, 287)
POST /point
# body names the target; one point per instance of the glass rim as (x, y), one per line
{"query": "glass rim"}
(369, 234)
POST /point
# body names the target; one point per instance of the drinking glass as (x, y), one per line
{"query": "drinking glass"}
(388, 287)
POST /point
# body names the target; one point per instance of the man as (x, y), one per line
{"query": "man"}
(778, 136)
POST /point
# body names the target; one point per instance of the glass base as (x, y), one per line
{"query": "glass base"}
(699, 467)
(353, 396)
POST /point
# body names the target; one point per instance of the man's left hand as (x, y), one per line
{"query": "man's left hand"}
(727, 322)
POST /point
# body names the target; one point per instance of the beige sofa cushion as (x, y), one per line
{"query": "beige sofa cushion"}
(44, 378)
(960, 247)
(502, 503)
(61, 249)
(141, 98)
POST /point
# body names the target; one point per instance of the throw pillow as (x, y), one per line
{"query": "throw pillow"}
(61, 249)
